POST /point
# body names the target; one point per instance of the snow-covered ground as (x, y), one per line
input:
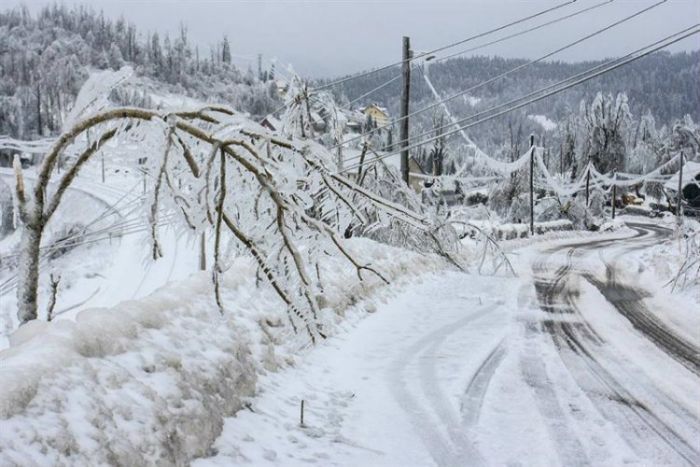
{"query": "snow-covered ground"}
(151, 380)
(439, 368)
(470, 370)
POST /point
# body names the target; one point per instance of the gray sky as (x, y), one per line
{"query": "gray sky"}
(327, 38)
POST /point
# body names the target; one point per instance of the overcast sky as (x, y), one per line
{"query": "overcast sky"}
(331, 37)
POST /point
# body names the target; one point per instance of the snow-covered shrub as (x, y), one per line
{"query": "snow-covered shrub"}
(385, 181)
(548, 209)
(688, 275)
(519, 211)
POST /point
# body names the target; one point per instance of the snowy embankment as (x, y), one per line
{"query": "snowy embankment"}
(656, 268)
(150, 381)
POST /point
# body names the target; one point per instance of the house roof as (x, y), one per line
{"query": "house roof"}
(384, 110)
(690, 171)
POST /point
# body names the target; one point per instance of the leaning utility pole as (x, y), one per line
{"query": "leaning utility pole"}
(532, 184)
(405, 95)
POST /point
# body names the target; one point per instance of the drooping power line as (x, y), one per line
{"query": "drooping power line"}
(613, 65)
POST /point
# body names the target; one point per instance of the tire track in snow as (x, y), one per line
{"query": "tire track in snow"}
(566, 442)
(473, 398)
(457, 449)
(629, 302)
(578, 345)
(636, 422)
(441, 405)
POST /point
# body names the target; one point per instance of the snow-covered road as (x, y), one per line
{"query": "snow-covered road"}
(571, 363)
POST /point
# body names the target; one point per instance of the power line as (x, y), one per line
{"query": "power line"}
(513, 70)
(526, 31)
(664, 43)
(444, 47)
(497, 41)
(372, 91)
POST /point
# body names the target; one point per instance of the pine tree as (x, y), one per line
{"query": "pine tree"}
(226, 51)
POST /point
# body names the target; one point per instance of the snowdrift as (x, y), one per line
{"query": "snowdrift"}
(150, 381)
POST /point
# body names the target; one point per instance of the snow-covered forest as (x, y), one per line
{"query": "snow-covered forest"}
(45, 59)
(444, 260)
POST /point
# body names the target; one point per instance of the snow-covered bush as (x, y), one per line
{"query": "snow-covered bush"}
(688, 275)
(386, 182)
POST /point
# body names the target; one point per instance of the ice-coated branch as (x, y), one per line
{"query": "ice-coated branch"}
(278, 200)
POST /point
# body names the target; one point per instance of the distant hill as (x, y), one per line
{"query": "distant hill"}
(664, 84)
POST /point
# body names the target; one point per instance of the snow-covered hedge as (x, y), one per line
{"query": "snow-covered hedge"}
(150, 381)
(513, 231)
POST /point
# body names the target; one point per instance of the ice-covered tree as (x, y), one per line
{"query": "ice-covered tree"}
(278, 200)
(605, 122)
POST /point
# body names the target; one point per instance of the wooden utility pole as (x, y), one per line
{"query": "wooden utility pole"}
(405, 96)
(679, 202)
(532, 184)
(614, 194)
(588, 184)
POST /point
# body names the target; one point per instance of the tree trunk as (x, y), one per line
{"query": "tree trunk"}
(28, 285)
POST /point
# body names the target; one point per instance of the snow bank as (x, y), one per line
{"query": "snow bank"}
(151, 381)
(146, 381)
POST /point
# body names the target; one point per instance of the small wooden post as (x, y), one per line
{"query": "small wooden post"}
(202, 252)
(532, 184)
(102, 159)
(405, 97)
(301, 414)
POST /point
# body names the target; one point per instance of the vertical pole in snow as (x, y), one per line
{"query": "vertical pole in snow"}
(561, 158)
(103, 167)
(202, 253)
(341, 163)
(301, 413)
(614, 194)
(405, 96)
(679, 205)
(588, 183)
(532, 184)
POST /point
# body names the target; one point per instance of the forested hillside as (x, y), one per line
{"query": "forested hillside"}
(663, 83)
(45, 59)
